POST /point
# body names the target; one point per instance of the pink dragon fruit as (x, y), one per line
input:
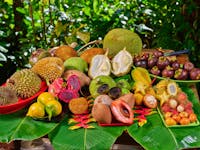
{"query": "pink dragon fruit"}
(73, 83)
(56, 86)
(66, 95)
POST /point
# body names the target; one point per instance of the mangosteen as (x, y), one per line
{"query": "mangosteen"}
(181, 74)
(154, 70)
(168, 72)
(162, 62)
(158, 53)
(195, 74)
(188, 66)
(152, 60)
(175, 65)
(141, 63)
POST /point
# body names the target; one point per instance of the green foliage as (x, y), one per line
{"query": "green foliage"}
(170, 25)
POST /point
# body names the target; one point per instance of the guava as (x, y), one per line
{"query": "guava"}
(76, 63)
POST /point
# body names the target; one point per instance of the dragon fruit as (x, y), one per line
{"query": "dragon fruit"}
(56, 86)
(73, 83)
(66, 95)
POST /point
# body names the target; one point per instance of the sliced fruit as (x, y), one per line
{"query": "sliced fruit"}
(100, 65)
(172, 88)
(99, 81)
(121, 63)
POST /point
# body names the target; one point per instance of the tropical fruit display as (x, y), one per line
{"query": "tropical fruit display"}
(109, 85)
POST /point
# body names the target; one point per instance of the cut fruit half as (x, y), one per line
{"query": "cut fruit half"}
(100, 65)
(121, 63)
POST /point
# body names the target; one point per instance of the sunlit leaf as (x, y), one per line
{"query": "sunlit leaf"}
(59, 28)
(84, 36)
(18, 127)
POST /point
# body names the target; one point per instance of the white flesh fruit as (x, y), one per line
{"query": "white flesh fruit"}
(100, 65)
(121, 63)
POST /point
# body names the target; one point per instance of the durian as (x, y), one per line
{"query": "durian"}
(25, 82)
(49, 68)
(7, 96)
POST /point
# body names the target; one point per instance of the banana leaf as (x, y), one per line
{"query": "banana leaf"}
(84, 139)
(16, 126)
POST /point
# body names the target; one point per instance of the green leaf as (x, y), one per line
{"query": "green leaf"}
(10, 2)
(81, 139)
(59, 28)
(17, 127)
(96, 6)
(84, 36)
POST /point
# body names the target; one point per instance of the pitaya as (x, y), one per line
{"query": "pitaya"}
(73, 83)
(66, 95)
(56, 86)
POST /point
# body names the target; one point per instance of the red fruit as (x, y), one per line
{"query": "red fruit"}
(188, 105)
(66, 95)
(165, 108)
(181, 97)
(195, 74)
(73, 83)
(162, 62)
(168, 72)
(188, 66)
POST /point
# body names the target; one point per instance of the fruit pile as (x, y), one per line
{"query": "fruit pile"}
(167, 66)
(174, 104)
(99, 84)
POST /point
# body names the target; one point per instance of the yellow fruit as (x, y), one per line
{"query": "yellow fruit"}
(36, 110)
(170, 121)
(53, 108)
(138, 98)
(141, 74)
(45, 97)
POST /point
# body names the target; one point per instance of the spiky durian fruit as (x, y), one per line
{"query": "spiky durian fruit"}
(7, 96)
(25, 82)
(49, 68)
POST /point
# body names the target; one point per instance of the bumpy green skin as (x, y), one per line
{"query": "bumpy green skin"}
(25, 82)
(98, 81)
(7, 96)
(118, 39)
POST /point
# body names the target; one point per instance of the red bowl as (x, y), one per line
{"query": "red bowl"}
(11, 108)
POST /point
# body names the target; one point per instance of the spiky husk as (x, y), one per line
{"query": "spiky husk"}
(7, 96)
(25, 82)
(49, 68)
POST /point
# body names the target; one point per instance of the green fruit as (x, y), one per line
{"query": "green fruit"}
(123, 83)
(76, 63)
(97, 82)
(25, 82)
(118, 39)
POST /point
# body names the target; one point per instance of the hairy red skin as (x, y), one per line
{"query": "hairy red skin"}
(122, 111)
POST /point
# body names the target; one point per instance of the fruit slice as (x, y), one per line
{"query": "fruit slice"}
(100, 65)
(141, 74)
(121, 63)
(116, 39)
(99, 81)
